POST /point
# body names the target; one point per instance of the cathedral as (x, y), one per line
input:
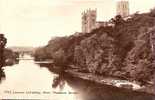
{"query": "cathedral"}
(89, 17)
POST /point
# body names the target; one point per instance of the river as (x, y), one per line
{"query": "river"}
(27, 80)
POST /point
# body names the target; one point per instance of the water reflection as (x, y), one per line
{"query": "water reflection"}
(2, 74)
(87, 90)
(92, 91)
(28, 77)
(59, 81)
(27, 80)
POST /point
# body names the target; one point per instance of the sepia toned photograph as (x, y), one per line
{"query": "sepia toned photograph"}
(77, 49)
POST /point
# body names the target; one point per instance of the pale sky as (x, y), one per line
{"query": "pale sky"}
(34, 22)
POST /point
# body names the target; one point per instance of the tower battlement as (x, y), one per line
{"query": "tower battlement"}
(88, 20)
(89, 17)
(122, 8)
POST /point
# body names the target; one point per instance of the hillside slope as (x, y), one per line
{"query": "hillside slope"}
(121, 51)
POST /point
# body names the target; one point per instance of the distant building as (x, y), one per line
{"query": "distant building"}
(122, 8)
(89, 17)
(88, 20)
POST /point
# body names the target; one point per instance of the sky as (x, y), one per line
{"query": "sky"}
(35, 22)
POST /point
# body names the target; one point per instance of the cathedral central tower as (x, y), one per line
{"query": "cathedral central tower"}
(122, 8)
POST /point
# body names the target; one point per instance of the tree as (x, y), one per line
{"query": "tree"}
(3, 42)
(118, 20)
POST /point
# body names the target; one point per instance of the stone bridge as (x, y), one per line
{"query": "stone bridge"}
(23, 50)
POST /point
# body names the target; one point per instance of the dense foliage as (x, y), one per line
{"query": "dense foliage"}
(123, 50)
(10, 56)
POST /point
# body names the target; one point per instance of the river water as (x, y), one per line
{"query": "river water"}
(28, 80)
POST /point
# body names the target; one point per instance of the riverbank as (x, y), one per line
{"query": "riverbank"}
(101, 79)
(39, 79)
(106, 92)
(112, 81)
(122, 51)
(10, 57)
